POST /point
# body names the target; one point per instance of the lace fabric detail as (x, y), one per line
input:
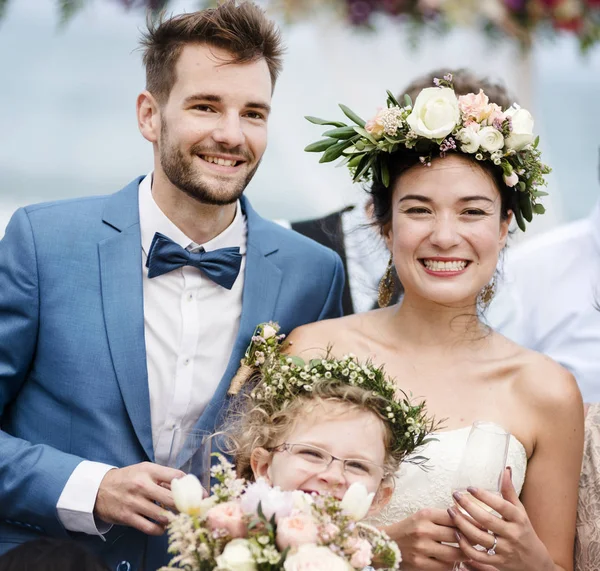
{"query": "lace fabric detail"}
(431, 487)
(587, 540)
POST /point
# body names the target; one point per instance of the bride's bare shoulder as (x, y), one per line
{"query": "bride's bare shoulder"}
(316, 339)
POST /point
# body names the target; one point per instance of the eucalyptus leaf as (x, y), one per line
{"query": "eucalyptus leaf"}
(360, 172)
(320, 146)
(340, 133)
(355, 160)
(352, 116)
(539, 208)
(407, 100)
(317, 121)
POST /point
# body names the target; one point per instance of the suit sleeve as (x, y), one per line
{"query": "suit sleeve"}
(32, 476)
(333, 303)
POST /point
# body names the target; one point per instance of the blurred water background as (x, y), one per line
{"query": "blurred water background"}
(67, 105)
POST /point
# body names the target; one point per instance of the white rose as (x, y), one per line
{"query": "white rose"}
(315, 558)
(269, 332)
(236, 557)
(522, 128)
(357, 501)
(188, 495)
(469, 137)
(435, 113)
(490, 139)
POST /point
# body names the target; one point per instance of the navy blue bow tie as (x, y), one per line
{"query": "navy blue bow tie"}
(221, 266)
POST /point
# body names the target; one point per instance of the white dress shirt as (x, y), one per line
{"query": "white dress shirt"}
(190, 325)
(548, 299)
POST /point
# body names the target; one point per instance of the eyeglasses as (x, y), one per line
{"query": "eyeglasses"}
(319, 460)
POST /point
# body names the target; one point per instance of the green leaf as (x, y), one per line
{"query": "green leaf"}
(352, 116)
(385, 172)
(521, 186)
(68, 8)
(392, 98)
(525, 206)
(519, 217)
(320, 146)
(364, 168)
(364, 133)
(539, 208)
(407, 100)
(334, 152)
(355, 160)
(317, 121)
(260, 513)
(340, 133)
(536, 142)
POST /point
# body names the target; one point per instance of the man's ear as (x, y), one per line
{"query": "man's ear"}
(383, 496)
(260, 462)
(148, 116)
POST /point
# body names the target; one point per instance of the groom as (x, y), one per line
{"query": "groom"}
(125, 316)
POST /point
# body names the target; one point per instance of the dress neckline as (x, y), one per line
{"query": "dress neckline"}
(468, 427)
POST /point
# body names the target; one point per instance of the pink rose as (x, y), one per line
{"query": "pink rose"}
(512, 179)
(362, 553)
(474, 106)
(228, 516)
(374, 126)
(295, 531)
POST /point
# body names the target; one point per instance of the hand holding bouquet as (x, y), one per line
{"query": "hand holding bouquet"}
(254, 527)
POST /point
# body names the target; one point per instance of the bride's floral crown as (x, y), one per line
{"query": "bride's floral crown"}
(280, 378)
(438, 123)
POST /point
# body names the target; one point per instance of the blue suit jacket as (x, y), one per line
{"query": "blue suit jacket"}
(73, 378)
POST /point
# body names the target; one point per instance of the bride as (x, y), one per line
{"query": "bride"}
(447, 177)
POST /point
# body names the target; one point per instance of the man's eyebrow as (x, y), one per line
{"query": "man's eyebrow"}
(218, 99)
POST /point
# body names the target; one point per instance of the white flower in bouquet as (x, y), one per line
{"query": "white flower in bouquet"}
(302, 502)
(272, 500)
(469, 137)
(357, 501)
(435, 113)
(315, 558)
(269, 331)
(188, 495)
(522, 128)
(490, 139)
(237, 556)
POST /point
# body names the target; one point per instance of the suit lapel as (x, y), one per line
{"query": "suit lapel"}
(123, 306)
(262, 282)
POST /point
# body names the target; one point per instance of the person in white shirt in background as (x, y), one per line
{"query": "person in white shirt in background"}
(548, 298)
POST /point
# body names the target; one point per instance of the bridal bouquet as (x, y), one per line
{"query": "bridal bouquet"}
(251, 526)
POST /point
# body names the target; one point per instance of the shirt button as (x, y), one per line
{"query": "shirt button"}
(190, 296)
(186, 362)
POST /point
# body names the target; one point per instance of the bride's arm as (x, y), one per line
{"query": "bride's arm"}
(538, 530)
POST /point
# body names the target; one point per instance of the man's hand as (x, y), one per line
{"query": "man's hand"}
(135, 495)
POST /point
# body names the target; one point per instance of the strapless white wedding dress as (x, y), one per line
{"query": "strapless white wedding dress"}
(418, 488)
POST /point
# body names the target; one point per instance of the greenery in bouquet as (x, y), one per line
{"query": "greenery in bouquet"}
(439, 123)
(251, 526)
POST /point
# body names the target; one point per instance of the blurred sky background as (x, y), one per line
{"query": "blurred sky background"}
(67, 105)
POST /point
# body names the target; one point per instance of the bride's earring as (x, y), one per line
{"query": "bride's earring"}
(386, 285)
(487, 293)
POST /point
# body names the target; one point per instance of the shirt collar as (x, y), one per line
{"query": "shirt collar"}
(153, 219)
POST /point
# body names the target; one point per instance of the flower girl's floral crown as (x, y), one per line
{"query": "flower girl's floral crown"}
(440, 122)
(281, 378)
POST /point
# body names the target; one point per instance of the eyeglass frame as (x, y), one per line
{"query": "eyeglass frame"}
(284, 447)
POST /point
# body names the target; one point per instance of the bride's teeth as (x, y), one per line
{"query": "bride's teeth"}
(438, 266)
(219, 161)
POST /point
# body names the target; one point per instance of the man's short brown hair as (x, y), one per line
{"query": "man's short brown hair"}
(241, 29)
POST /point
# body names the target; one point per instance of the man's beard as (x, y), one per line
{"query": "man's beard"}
(179, 169)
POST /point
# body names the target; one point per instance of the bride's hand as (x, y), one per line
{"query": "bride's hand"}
(512, 544)
(420, 538)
